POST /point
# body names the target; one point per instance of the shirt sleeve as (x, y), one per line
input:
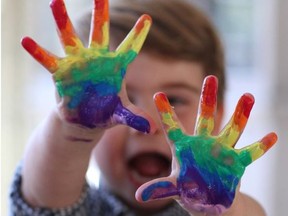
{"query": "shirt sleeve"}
(19, 207)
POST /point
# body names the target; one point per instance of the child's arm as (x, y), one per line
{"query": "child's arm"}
(55, 162)
(91, 97)
(206, 169)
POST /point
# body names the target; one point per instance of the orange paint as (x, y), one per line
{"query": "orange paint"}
(101, 16)
(162, 103)
(68, 37)
(207, 111)
(243, 110)
(63, 22)
(42, 56)
(140, 24)
(268, 141)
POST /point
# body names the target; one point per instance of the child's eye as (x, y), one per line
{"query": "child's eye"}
(131, 98)
(176, 100)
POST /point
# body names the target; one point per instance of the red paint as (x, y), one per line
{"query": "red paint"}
(63, 22)
(140, 23)
(29, 45)
(242, 111)
(209, 96)
(248, 102)
(162, 103)
(210, 91)
(268, 141)
(42, 56)
(101, 16)
(33, 48)
(60, 13)
(102, 8)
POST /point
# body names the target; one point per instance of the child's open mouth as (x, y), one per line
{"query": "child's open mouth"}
(148, 166)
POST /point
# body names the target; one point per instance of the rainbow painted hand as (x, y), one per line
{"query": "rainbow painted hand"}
(206, 169)
(90, 80)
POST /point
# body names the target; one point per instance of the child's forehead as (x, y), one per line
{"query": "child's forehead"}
(153, 66)
(157, 75)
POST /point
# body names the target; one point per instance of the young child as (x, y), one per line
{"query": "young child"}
(116, 123)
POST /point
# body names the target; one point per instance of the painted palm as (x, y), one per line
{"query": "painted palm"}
(206, 169)
(90, 80)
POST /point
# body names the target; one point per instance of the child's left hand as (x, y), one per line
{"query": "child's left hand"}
(206, 169)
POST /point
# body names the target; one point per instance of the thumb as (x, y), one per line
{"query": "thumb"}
(136, 114)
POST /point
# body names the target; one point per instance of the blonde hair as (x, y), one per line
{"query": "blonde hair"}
(179, 31)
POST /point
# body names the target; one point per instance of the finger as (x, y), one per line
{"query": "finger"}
(99, 37)
(207, 106)
(170, 122)
(232, 131)
(134, 109)
(71, 43)
(48, 60)
(256, 150)
(157, 189)
(133, 42)
(124, 116)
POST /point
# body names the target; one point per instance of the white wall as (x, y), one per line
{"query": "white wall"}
(27, 88)
(259, 178)
(280, 110)
(19, 115)
(267, 178)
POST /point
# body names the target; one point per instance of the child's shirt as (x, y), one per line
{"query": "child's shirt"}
(93, 201)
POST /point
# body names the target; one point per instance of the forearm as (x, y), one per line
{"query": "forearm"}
(56, 161)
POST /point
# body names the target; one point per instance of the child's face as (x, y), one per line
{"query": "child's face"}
(128, 158)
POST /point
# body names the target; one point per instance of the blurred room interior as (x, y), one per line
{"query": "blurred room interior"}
(255, 35)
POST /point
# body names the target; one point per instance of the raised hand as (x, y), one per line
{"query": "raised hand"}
(206, 169)
(89, 80)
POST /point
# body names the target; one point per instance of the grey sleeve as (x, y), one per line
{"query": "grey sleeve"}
(19, 207)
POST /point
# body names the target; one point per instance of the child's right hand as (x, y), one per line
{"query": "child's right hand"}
(89, 80)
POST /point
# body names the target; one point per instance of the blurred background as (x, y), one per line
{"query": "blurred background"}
(255, 34)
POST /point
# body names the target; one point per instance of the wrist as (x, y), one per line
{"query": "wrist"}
(237, 207)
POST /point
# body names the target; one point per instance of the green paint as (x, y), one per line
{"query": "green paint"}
(208, 155)
(107, 69)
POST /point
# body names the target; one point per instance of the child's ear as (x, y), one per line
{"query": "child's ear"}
(218, 118)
